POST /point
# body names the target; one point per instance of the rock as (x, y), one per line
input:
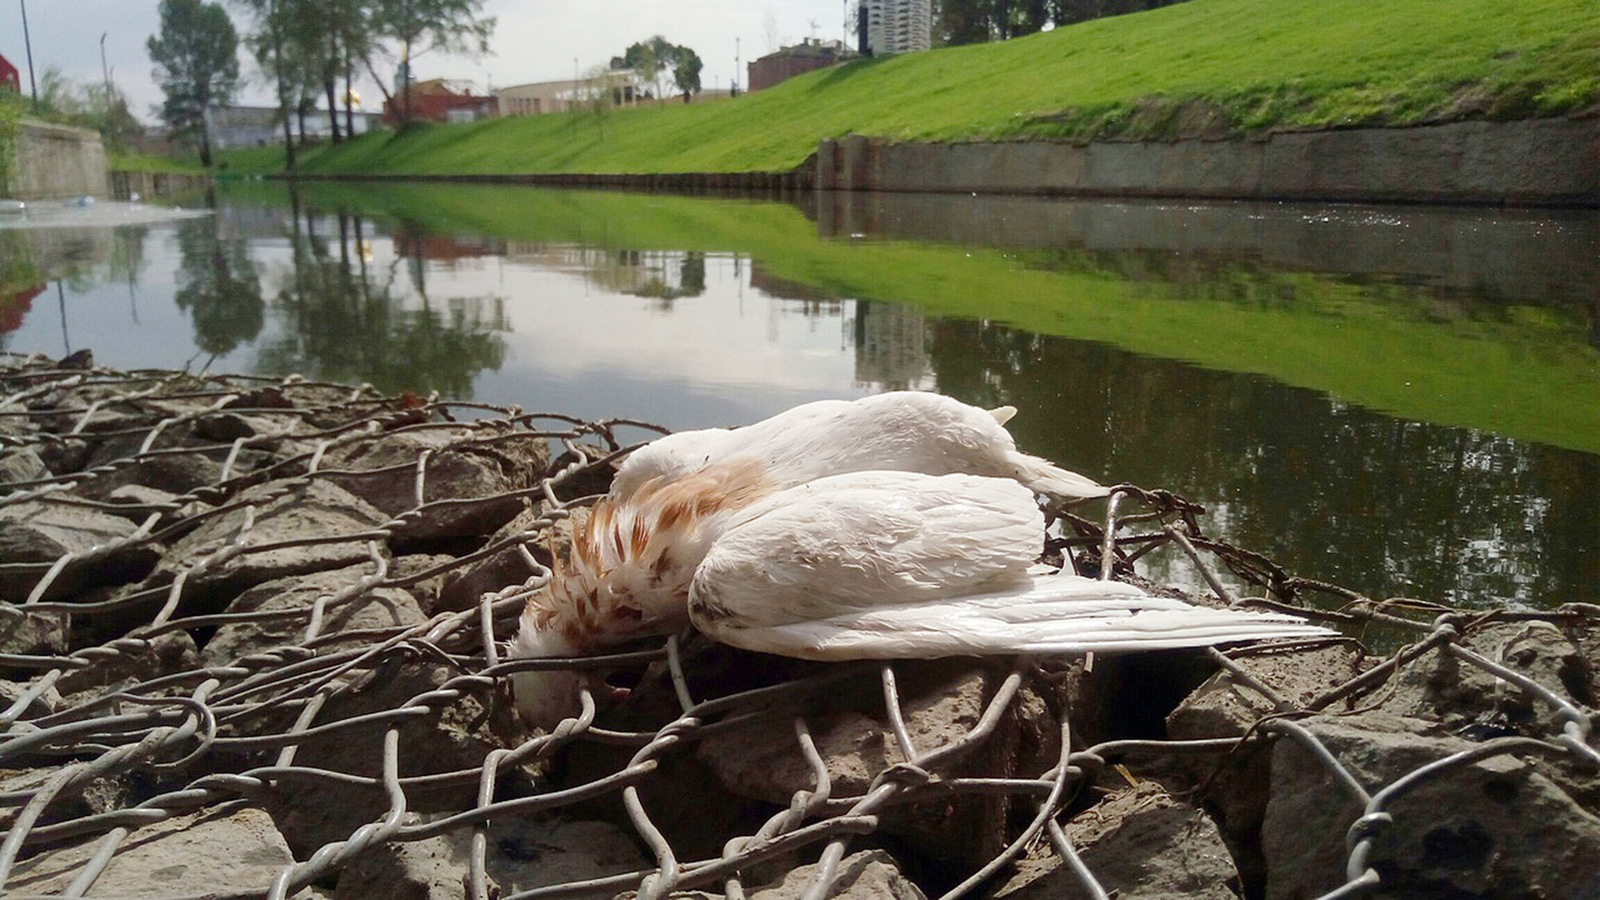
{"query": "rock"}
(428, 590)
(1475, 703)
(1237, 783)
(42, 705)
(1138, 843)
(463, 586)
(30, 633)
(942, 701)
(164, 654)
(461, 465)
(1495, 828)
(284, 510)
(228, 850)
(867, 875)
(379, 608)
(21, 464)
(41, 532)
(590, 480)
(522, 854)
(99, 795)
(456, 734)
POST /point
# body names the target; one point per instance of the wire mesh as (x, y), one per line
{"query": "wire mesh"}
(181, 651)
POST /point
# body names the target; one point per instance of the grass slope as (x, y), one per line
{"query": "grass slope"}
(1514, 371)
(1237, 64)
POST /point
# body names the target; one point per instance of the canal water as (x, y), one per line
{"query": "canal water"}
(1403, 401)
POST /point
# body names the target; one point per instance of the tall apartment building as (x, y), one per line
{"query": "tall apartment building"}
(899, 26)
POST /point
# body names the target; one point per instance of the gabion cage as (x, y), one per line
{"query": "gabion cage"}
(269, 613)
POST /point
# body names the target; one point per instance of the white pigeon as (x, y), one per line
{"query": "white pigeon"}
(631, 563)
(872, 564)
(912, 431)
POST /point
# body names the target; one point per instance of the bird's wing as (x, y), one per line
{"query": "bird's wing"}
(1054, 614)
(894, 564)
(857, 541)
(913, 431)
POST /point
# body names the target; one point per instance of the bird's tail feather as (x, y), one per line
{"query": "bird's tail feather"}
(1044, 477)
(1055, 614)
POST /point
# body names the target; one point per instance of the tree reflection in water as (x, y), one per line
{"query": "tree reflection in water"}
(1446, 514)
(345, 320)
(218, 285)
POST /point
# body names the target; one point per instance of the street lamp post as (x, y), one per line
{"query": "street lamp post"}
(105, 73)
(27, 42)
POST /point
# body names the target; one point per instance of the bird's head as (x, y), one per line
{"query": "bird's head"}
(626, 576)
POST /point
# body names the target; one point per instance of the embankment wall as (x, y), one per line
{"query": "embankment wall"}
(58, 161)
(1540, 161)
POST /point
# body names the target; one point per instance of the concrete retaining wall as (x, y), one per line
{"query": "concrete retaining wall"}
(1544, 161)
(58, 161)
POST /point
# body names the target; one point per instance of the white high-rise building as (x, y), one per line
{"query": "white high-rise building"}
(899, 26)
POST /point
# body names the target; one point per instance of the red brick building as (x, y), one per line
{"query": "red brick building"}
(791, 61)
(9, 76)
(436, 101)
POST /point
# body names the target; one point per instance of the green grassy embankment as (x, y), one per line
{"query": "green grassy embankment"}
(1513, 370)
(1196, 67)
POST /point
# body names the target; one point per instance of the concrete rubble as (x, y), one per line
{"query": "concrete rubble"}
(1204, 783)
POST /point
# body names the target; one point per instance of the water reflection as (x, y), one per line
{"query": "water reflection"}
(1370, 397)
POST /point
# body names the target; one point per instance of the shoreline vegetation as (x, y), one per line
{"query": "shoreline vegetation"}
(1206, 69)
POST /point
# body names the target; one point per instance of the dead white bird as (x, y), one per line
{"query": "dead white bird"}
(629, 570)
(865, 565)
(911, 431)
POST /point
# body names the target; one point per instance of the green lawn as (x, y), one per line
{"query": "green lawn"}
(1238, 65)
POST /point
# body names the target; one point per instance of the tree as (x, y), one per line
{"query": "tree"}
(417, 26)
(686, 72)
(196, 64)
(650, 59)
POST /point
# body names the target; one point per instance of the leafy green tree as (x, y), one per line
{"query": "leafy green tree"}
(652, 59)
(686, 72)
(196, 62)
(418, 26)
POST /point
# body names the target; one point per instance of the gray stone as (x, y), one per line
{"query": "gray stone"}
(1495, 828)
(164, 654)
(428, 590)
(42, 705)
(1138, 843)
(463, 587)
(867, 875)
(21, 464)
(456, 735)
(522, 854)
(42, 532)
(99, 795)
(284, 510)
(379, 608)
(227, 850)
(460, 466)
(942, 701)
(1470, 700)
(32, 633)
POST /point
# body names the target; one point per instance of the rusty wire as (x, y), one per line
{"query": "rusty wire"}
(234, 729)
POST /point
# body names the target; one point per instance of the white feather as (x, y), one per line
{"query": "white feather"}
(900, 430)
(902, 565)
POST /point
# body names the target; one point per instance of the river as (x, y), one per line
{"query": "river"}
(1399, 400)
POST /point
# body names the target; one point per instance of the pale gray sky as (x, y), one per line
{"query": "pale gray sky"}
(536, 40)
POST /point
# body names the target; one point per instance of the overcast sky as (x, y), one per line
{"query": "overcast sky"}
(535, 40)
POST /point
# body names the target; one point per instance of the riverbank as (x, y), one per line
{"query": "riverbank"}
(289, 595)
(1492, 103)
